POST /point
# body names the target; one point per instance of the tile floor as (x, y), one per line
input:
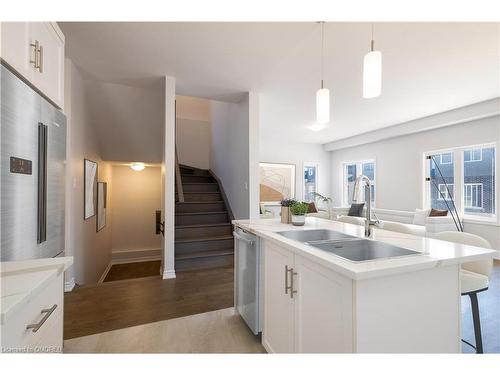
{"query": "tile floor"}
(218, 331)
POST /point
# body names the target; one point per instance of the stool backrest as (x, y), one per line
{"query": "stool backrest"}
(482, 267)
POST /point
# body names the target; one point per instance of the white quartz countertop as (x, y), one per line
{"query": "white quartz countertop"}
(434, 253)
(21, 280)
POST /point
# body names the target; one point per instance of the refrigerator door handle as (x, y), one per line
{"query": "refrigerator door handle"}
(42, 183)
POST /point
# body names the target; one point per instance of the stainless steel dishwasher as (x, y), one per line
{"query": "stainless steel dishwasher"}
(248, 279)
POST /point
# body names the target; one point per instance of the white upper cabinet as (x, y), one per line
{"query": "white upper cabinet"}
(36, 51)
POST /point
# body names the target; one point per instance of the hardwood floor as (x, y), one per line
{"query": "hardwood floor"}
(126, 303)
(133, 270)
(218, 331)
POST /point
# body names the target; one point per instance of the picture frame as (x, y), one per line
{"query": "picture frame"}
(276, 182)
(102, 202)
(90, 172)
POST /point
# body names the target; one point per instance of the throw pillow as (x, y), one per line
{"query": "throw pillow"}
(420, 216)
(312, 208)
(435, 212)
(356, 209)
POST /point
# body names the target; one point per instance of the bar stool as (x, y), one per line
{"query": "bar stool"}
(474, 278)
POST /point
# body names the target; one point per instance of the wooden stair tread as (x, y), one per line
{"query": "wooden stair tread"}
(204, 254)
(203, 225)
(201, 239)
(200, 213)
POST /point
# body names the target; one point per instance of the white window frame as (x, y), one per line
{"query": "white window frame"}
(316, 182)
(445, 192)
(441, 158)
(471, 150)
(471, 185)
(359, 169)
(459, 173)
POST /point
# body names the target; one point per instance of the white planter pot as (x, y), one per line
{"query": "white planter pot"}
(298, 220)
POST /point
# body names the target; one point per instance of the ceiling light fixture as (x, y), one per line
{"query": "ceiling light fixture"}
(372, 72)
(322, 95)
(138, 166)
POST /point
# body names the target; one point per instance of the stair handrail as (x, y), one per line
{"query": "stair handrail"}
(178, 179)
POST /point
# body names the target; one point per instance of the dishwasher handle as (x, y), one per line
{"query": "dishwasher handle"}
(239, 237)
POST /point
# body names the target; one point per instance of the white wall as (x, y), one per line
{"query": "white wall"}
(91, 250)
(230, 153)
(399, 164)
(136, 195)
(193, 131)
(278, 151)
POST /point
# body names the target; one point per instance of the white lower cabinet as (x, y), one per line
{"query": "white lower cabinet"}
(323, 309)
(307, 307)
(278, 326)
(38, 326)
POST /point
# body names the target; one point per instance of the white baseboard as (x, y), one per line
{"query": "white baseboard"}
(69, 285)
(168, 274)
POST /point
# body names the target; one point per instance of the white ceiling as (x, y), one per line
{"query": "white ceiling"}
(427, 67)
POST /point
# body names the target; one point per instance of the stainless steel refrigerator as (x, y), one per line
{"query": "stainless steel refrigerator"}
(33, 157)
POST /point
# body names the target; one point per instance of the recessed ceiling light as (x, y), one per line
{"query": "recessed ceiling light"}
(138, 166)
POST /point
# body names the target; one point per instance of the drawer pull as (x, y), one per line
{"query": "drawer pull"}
(35, 327)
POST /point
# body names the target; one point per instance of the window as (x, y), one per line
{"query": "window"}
(473, 196)
(446, 193)
(441, 165)
(469, 173)
(351, 172)
(446, 158)
(473, 155)
(479, 182)
(310, 182)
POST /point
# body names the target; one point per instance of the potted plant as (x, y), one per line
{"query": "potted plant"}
(327, 201)
(286, 217)
(299, 211)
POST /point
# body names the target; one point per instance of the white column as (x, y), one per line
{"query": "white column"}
(169, 181)
(253, 154)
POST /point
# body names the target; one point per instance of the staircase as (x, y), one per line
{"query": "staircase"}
(203, 229)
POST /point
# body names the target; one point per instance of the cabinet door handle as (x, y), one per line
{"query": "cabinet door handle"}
(286, 279)
(292, 274)
(36, 47)
(36, 326)
(40, 59)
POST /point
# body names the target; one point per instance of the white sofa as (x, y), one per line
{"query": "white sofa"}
(433, 225)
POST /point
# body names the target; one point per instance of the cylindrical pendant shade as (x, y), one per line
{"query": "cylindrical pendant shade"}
(323, 106)
(372, 74)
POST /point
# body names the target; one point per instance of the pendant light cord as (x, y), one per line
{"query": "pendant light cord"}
(372, 42)
(322, 49)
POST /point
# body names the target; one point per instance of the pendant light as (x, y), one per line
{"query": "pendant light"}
(322, 95)
(372, 72)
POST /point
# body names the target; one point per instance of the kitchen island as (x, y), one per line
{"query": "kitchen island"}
(315, 301)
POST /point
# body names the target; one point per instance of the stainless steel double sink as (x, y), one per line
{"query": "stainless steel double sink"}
(348, 247)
